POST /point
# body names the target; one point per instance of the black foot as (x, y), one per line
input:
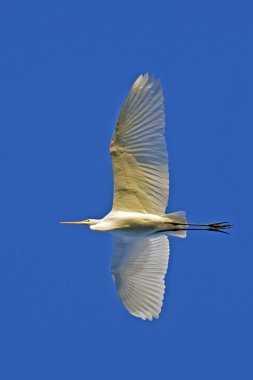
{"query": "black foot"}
(219, 227)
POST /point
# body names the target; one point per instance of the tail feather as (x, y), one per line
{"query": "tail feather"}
(178, 217)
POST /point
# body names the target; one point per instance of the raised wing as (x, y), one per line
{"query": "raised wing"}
(138, 150)
(138, 269)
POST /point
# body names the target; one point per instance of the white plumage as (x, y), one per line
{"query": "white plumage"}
(139, 152)
(138, 221)
(138, 269)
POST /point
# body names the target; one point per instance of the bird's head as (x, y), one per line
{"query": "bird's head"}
(86, 222)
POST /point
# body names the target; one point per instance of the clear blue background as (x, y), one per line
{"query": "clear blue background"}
(66, 67)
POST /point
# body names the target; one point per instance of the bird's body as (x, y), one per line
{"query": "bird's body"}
(134, 223)
(137, 221)
(129, 222)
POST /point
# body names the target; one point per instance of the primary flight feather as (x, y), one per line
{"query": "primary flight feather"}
(137, 221)
(139, 152)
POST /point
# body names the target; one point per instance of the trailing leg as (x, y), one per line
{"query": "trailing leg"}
(218, 226)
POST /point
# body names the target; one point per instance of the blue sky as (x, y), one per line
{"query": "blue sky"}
(65, 70)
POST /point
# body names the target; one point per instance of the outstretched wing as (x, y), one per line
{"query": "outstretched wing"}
(138, 150)
(138, 269)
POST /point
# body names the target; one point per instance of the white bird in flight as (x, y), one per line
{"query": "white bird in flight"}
(137, 221)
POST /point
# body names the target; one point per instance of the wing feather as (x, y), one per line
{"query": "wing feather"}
(138, 269)
(139, 152)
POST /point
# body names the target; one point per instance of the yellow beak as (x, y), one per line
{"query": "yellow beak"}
(77, 222)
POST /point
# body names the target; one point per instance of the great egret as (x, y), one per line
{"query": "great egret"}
(138, 222)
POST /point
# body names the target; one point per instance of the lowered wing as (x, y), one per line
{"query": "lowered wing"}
(138, 269)
(138, 150)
